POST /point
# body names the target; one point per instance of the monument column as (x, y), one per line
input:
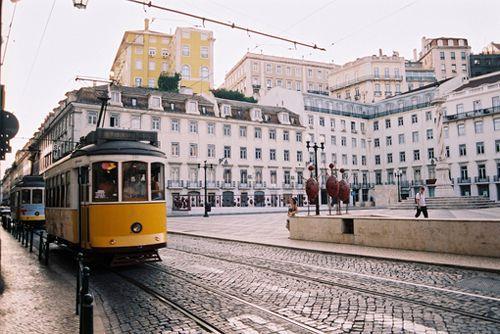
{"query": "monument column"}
(444, 187)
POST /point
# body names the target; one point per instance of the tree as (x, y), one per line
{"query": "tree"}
(169, 83)
(232, 95)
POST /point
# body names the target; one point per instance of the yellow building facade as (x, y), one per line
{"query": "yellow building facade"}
(144, 54)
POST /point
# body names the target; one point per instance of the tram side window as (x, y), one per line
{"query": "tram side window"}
(134, 181)
(157, 181)
(67, 203)
(62, 199)
(37, 196)
(25, 196)
(57, 196)
(105, 181)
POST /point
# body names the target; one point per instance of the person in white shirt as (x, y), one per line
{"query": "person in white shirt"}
(420, 199)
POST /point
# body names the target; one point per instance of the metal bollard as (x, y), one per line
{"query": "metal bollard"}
(40, 246)
(31, 240)
(26, 237)
(87, 315)
(79, 258)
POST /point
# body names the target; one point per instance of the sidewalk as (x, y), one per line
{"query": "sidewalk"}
(36, 299)
(269, 229)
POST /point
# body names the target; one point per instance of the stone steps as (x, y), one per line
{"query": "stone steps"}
(472, 202)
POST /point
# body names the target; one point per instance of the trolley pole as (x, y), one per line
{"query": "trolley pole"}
(315, 147)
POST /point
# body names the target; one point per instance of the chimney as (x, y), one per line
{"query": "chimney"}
(146, 24)
(415, 55)
(380, 52)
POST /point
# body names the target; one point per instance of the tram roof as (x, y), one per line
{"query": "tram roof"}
(30, 181)
(120, 147)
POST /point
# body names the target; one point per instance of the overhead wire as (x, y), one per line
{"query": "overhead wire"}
(8, 34)
(40, 42)
(308, 16)
(230, 25)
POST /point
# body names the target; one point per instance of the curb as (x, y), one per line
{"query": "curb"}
(493, 270)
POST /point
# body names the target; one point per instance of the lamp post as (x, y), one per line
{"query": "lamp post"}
(397, 175)
(205, 166)
(315, 147)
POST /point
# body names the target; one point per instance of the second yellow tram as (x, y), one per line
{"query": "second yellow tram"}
(108, 196)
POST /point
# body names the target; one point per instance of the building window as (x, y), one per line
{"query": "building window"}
(402, 156)
(91, 117)
(461, 129)
(298, 137)
(496, 124)
(138, 64)
(258, 133)
(478, 127)
(227, 152)
(354, 142)
(343, 141)
(416, 155)
(174, 125)
(414, 136)
(401, 138)
(388, 140)
(114, 120)
(272, 154)
(447, 151)
(185, 50)
(430, 135)
(211, 128)
(354, 159)
(462, 55)
(227, 130)
(286, 155)
(272, 134)
(258, 153)
(204, 52)
(389, 158)
(414, 118)
(375, 126)
(428, 115)
(175, 149)
(480, 147)
(243, 131)
(430, 153)
(462, 150)
(138, 82)
(441, 55)
(205, 73)
(452, 55)
(286, 135)
(243, 153)
(193, 150)
(376, 142)
(363, 160)
(446, 131)
(186, 72)
(400, 121)
(299, 156)
(193, 127)
(497, 146)
(211, 151)
(377, 159)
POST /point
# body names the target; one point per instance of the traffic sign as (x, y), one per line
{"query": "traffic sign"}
(9, 125)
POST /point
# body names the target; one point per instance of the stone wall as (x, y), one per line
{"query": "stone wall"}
(458, 236)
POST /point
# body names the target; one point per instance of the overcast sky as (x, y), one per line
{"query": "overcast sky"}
(84, 42)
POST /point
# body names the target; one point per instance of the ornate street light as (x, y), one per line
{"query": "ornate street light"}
(80, 4)
(315, 147)
(397, 175)
(206, 204)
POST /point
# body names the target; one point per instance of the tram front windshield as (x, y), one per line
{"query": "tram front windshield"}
(105, 181)
(25, 196)
(37, 196)
(134, 181)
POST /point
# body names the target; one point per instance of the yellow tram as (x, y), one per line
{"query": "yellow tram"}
(108, 196)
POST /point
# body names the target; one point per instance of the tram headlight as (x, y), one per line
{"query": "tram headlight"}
(136, 227)
(37, 213)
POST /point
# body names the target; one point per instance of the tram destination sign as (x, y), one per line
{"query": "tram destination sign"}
(127, 135)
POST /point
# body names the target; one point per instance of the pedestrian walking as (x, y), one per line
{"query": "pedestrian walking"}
(420, 199)
(292, 210)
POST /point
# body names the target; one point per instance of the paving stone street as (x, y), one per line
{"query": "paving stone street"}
(207, 284)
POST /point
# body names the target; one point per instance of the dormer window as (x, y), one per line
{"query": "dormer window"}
(203, 110)
(256, 114)
(172, 106)
(134, 102)
(152, 52)
(192, 107)
(284, 118)
(116, 98)
(155, 102)
(226, 110)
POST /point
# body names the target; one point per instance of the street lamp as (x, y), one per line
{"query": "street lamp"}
(315, 148)
(205, 166)
(397, 175)
(80, 4)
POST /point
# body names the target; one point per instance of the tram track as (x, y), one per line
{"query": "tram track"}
(201, 322)
(361, 289)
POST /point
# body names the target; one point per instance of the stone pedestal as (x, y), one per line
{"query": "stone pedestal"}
(385, 195)
(444, 188)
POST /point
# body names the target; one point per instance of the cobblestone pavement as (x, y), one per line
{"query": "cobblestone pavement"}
(246, 288)
(36, 298)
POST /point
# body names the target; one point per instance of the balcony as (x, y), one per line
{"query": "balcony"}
(485, 179)
(259, 185)
(193, 184)
(377, 93)
(213, 184)
(463, 180)
(175, 184)
(244, 185)
(473, 113)
(228, 185)
(288, 185)
(388, 93)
